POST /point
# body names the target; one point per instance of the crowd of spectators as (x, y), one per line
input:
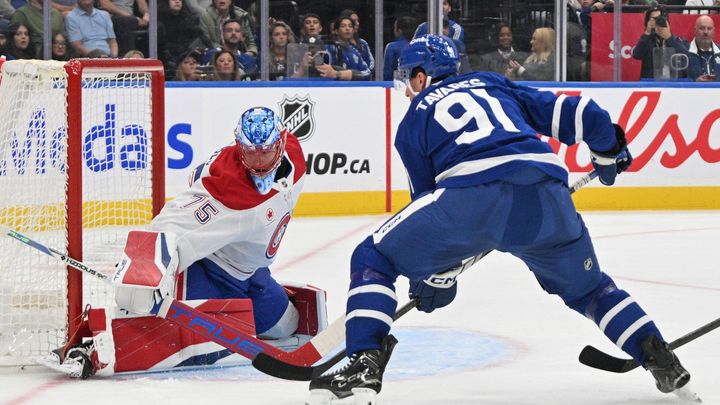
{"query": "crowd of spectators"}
(218, 40)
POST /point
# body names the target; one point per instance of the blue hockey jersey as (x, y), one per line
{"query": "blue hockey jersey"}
(481, 127)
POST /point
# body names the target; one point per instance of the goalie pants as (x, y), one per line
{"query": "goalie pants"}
(532, 218)
(205, 280)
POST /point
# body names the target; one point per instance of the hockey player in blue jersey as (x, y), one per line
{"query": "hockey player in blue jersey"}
(482, 180)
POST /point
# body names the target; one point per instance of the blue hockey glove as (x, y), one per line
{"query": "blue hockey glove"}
(432, 295)
(613, 162)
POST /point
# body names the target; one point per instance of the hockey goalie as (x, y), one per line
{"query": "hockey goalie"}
(209, 247)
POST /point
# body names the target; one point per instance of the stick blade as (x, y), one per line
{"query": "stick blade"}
(280, 369)
(592, 357)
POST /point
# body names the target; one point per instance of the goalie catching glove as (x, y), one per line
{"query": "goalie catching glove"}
(436, 291)
(146, 274)
(613, 162)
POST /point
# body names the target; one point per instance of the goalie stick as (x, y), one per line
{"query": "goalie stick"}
(275, 366)
(188, 317)
(595, 358)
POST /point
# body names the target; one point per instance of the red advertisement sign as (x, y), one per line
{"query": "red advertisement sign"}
(633, 26)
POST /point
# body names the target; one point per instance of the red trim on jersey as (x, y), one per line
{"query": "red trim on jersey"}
(297, 157)
(230, 183)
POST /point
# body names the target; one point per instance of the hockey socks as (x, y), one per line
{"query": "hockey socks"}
(371, 307)
(618, 316)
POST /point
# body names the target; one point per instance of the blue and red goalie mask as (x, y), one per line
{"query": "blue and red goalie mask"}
(261, 142)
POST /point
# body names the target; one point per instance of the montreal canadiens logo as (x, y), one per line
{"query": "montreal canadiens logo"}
(297, 116)
(277, 237)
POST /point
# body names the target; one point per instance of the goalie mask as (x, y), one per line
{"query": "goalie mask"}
(261, 141)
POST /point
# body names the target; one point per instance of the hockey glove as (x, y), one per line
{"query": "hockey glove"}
(613, 162)
(435, 292)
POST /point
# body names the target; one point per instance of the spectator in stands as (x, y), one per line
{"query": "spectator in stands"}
(704, 54)
(64, 7)
(133, 54)
(178, 31)
(457, 33)
(359, 43)
(403, 29)
(657, 35)
(280, 36)
(540, 65)
(225, 66)
(233, 41)
(17, 45)
(125, 22)
(90, 29)
(346, 62)
(6, 12)
(187, 69)
(31, 16)
(311, 25)
(198, 7)
(212, 20)
(60, 49)
(499, 59)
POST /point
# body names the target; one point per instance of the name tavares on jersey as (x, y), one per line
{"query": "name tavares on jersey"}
(438, 94)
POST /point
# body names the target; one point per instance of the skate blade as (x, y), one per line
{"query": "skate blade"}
(687, 394)
(361, 396)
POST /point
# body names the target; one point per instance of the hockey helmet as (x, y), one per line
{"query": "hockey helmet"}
(435, 54)
(261, 140)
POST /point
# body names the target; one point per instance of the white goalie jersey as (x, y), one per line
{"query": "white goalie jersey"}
(223, 218)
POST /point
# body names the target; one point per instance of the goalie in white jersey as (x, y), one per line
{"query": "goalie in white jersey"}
(210, 246)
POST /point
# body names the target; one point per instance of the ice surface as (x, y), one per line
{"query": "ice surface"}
(503, 341)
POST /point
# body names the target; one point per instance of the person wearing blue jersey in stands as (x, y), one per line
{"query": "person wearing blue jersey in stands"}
(481, 180)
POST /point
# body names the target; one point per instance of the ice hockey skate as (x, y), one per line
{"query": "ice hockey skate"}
(77, 362)
(356, 383)
(669, 374)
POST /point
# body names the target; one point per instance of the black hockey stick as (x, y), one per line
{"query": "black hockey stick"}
(276, 367)
(592, 357)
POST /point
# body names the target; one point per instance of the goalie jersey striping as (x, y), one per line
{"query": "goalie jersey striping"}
(223, 218)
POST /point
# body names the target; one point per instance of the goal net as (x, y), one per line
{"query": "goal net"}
(81, 162)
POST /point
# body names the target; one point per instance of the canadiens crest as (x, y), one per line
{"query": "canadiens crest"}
(297, 116)
(277, 236)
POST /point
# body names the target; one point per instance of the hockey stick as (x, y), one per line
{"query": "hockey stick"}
(186, 316)
(276, 367)
(592, 357)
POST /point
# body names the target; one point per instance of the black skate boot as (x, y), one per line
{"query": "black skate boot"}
(362, 376)
(664, 365)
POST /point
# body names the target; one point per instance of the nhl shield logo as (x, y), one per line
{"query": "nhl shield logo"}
(297, 116)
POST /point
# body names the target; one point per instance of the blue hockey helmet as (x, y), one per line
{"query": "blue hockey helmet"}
(435, 54)
(261, 140)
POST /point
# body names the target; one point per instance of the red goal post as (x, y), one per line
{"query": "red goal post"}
(81, 162)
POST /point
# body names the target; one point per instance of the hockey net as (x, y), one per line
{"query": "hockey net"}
(81, 162)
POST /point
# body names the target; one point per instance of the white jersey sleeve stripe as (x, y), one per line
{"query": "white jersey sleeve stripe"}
(632, 329)
(373, 288)
(368, 313)
(578, 118)
(609, 315)
(557, 110)
(477, 166)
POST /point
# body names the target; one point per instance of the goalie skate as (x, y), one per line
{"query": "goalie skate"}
(77, 363)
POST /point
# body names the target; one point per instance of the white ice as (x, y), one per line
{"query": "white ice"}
(667, 260)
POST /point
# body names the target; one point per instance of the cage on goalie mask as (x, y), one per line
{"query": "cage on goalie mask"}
(261, 141)
(435, 54)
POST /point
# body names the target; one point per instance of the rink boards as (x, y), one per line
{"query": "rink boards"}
(347, 131)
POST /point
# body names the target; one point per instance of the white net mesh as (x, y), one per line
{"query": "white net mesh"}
(117, 191)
